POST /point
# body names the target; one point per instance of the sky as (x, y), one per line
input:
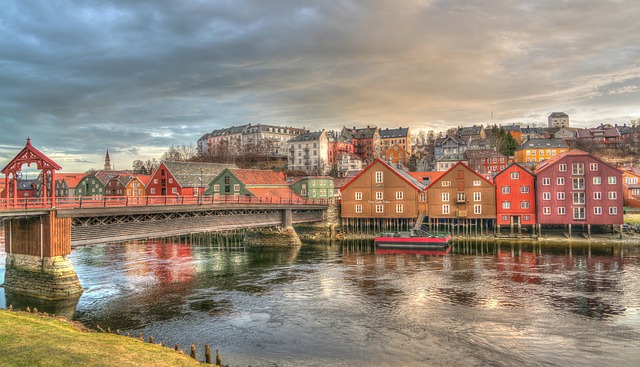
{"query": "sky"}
(135, 77)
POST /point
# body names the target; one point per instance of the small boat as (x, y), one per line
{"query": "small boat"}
(415, 238)
(433, 251)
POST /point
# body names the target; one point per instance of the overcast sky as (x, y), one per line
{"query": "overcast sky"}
(135, 77)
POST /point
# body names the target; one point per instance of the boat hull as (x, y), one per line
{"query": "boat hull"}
(412, 242)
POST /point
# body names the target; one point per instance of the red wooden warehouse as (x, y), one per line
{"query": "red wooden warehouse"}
(515, 198)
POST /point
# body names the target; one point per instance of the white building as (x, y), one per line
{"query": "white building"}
(309, 153)
(558, 119)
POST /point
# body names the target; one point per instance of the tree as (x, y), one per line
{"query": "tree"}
(180, 153)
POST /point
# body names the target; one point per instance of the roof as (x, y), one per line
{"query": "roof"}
(401, 132)
(402, 174)
(536, 143)
(611, 132)
(517, 164)
(258, 177)
(558, 114)
(469, 130)
(72, 179)
(275, 193)
(188, 174)
(467, 167)
(430, 176)
(364, 133)
(513, 127)
(145, 179)
(104, 176)
(308, 136)
(483, 153)
(572, 153)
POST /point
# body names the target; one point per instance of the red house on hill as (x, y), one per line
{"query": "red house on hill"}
(578, 188)
(515, 197)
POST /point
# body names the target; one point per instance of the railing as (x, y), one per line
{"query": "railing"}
(141, 201)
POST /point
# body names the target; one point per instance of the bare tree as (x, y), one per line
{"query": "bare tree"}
(180, 153)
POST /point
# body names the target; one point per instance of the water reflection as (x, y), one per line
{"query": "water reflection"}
(348, 304)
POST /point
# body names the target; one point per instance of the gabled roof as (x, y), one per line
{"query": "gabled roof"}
(469, 130)
(104, 176)
(611, 132)
(465, 166)
(258, 177)
(188, 174)
(405, 176)
(364, 133)
(144, 178)
(543, 144)
(308, 136)
(401, 132)
(72, 179)
(572, 153)
(558, 114)
(509, 166)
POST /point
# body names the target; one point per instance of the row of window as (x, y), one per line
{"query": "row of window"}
(580, 212)
(380, 208)
(578, 182)
(475, 183)
(477, 196)
(523, 205)
(541, 152)
(477, 209)
(578, 197)
(507, 189)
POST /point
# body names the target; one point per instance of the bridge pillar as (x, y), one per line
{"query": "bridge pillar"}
(37, 264)
(285, 236)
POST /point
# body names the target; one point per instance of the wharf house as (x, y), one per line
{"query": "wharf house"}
(534, 151)
(400, 136)
(96, 184)
(251, 184)
(397, 154)
(461, 201)
(312, 187)
(183, 178)
(66, 184)
(631, 187)
(309, 153)
(366, 142)
(577, 188)
(382, 197)
(130, 185)
(515, 198)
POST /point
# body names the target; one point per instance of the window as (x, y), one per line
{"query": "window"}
(236, 187)
(578, 197)
(174, 190)
(562, 167)
(525, 205)
(612, 195)
(533, 152)
(155, 180)
(577, 168)
(546, 210)
(358, 208)
(216, 188)
(446, 209)
(358, 195)
(546, 196)
(597, 210)
(579, 212)
(578, 183)
(561, 210)
(477, 196)
(611, 180)
(597, 195)
(379, 195)
(477, 208)
(379, 208)
(399, 195)
(593, 167)
(505, 218)
(515, 175)
(171, 180)
(561, 195)
(524, 189)
(476, 183)
(446, 183)
(613, 210)
(546, 181)
(378, 177)
(445, 196)
(506, 205)
(527, 218)
(423, 197)
(560, 181)
(399, 208)
(153, 190)
(506, 189)
(597, 180)
(461, 197)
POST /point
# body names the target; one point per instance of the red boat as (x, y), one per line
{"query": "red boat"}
(444, 250)
(412, 239)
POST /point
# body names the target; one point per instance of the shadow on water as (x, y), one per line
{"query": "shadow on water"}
(64, 308)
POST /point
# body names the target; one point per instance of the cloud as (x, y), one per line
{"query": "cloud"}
(137, 77)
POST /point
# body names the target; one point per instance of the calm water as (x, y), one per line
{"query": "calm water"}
(345, 305)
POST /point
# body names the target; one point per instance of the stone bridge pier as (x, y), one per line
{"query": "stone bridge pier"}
(37, 264)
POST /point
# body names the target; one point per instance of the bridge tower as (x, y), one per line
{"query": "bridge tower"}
(37, 243)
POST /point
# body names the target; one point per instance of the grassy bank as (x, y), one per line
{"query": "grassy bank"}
(35, 340)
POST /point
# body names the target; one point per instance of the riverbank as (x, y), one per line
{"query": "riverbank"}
(37, 340)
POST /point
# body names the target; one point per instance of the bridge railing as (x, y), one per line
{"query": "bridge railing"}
(137, 201)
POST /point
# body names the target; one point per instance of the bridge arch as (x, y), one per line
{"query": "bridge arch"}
(13, 173)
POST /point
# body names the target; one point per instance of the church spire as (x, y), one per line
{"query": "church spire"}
(107, 162)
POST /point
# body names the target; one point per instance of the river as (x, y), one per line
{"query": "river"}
(344, 305)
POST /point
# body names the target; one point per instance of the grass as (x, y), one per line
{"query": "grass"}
(632, 219)
(36, 340)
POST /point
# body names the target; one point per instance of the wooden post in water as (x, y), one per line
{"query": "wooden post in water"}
(207, 354)
(193, 351)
